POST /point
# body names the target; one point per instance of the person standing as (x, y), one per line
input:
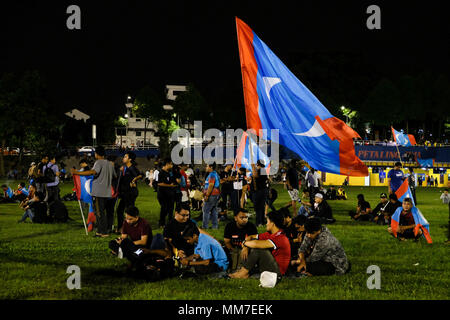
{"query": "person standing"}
(395, 177)
(211, 193)
(239, 189)
(103, 172)
(40, 185)
(292, 185)
(412, 183)
(227, 187)
(155, 178)
(261, 191)
(166, 192)
(52, 187)
(128, 191)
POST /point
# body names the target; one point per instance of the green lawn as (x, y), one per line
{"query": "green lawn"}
(34, 259)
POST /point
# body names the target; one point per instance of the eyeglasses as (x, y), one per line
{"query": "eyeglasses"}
(184, 215)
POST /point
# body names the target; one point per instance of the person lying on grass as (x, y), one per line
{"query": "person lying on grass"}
(209, 256)
(320, 253)
(271, 250)
(405, 228)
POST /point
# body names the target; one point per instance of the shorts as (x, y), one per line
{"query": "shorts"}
(293, 194)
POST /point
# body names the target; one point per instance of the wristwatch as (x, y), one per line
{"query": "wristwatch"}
(243, 243)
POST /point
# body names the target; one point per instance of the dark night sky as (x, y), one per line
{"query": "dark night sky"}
(125, 45)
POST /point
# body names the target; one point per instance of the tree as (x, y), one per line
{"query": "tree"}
(26, 114)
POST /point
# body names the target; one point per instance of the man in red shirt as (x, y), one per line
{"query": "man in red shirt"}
(274, 260)
(136, 234)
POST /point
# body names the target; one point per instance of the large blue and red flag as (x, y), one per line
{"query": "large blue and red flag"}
(276, 99)
(421, 223)
(83, 187)
(403, 139)
(248, 153)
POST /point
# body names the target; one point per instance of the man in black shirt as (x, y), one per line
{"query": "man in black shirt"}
(40, 185)
(226, 181)
(260, 194)
(128, 191)
(385, 209)
(322, 210)
(239, 189)
(166, 192)
(235, 233)
(363, 211)
(176, 244)
(292, 185)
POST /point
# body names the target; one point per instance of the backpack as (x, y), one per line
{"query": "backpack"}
(58, 211)
(49, 175)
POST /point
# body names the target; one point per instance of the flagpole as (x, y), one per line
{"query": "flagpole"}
(82, 215)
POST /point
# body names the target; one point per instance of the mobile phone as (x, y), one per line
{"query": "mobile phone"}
(138, 252)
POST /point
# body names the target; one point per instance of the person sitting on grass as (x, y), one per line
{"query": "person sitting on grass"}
(35, 209)
(21, 193)
(235, 233)
(445, 197)
(341, 195)
(385, 209)
(404, 228)
(209, 256)
(31, 192)
(331, 193)
(269, 251)
(320, 253)
(8, 195)
(136, 233)
(306, 206)
(363, 211)
(322, 210)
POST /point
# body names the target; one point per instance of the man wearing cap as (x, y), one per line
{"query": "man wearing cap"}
(322, 210)
(385, 209)
(395, 177)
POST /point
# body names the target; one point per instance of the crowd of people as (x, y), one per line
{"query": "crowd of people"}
(296, 242)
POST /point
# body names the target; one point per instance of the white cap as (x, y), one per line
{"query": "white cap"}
(268, 279)
(319, 195)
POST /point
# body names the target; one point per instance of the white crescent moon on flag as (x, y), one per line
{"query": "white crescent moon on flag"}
(87, 186)
(315, 131)
(269, 82)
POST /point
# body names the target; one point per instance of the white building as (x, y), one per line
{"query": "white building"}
(138, 129)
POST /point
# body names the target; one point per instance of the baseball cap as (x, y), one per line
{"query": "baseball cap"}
(383, 195)
(319, 195)
(268, 279)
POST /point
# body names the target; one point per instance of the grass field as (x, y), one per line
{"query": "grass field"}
(34, 259)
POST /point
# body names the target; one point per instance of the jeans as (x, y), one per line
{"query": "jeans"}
(166, 201)
(126, 200)
(259, 201)
(303, 211)
(100, 213)
(28, 214)
(210, 208)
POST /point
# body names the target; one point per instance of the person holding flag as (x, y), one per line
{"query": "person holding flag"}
(408, 217)
(395, 177)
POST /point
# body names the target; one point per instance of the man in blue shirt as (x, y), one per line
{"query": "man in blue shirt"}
(208, 257)
(8, 194)
(395, 177)
(211, 194)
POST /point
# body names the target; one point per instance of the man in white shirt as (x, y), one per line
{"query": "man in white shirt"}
(155, 179)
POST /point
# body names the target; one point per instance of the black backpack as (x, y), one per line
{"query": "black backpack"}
(49, 175)
(58, 211)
